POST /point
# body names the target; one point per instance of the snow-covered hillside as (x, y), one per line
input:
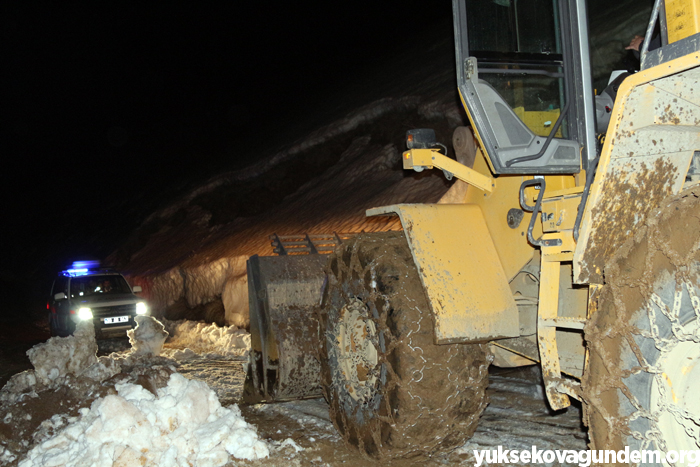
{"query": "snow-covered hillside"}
(190, 257)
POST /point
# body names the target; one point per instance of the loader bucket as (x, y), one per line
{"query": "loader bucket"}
(283, 292)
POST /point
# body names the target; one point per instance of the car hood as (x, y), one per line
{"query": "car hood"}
(109, 300)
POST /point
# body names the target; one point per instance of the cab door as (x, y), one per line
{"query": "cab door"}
(524, 76)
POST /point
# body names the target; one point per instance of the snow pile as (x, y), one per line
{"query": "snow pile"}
(74, 356)
(148, 337)
(183, 425)
(6, 456)
(50, 427)
(188, 338)
(59, 361)
(60, 356)
(19, 386)
(129, 408)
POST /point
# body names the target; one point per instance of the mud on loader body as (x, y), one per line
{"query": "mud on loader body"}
(579, 256)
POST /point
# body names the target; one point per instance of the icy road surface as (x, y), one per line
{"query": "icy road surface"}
(294, 433)
(517, 418)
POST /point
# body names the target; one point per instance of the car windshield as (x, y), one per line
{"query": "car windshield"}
(93, 285)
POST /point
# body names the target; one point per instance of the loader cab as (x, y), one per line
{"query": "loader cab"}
(523, 73)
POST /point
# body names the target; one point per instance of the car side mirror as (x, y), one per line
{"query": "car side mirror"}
(60, 296)
(137, 289)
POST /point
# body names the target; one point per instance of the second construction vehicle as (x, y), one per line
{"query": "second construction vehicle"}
(576, 246)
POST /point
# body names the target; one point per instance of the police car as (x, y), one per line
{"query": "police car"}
(87, 292)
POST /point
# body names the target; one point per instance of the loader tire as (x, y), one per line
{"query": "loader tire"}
(393, 392)
(641, 386)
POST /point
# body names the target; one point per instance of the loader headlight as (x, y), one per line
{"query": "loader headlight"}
(141, 308)
(84, 313)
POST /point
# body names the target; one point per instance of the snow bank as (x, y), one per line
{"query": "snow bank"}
(141, 412)
(183, 425)
(205, 339)
(163, 289)
(206, 282)
(198, 259)
(224, 279)
(64, 355)
(75, 356)
(57, 360)
(235, 294)
(365, 115)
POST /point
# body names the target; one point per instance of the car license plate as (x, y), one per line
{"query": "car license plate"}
(117, 319)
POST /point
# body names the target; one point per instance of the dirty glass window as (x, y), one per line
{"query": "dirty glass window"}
(513, 26)
(518, 50)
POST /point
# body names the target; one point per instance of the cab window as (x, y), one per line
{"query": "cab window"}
(519, 54)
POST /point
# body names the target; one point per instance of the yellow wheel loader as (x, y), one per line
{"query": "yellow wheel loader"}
(576, 246)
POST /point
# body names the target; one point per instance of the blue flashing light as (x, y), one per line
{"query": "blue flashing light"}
(85, 265)
(75, 272)
(80, 268)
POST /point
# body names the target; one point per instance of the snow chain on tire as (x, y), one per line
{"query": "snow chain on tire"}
(392, 392)
(642, 384)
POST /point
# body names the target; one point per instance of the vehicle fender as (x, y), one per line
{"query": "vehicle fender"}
(463, 278)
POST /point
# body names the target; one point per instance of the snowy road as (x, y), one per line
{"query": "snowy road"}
(296, 433)
(516, 418)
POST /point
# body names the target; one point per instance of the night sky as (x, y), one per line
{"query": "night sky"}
(110, 110)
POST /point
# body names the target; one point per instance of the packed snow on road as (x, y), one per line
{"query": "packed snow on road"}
(170, 397)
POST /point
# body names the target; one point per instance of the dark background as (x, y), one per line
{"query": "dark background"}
(110, 110)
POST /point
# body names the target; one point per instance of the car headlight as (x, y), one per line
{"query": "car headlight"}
(141, 308)
(85, 313)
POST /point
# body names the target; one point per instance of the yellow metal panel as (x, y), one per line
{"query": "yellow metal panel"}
(429, 158)
(511, 244)
(575, 190)
(560, 213)
(654, 131)
(546, 335)
(460, 270)
(682, 18)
